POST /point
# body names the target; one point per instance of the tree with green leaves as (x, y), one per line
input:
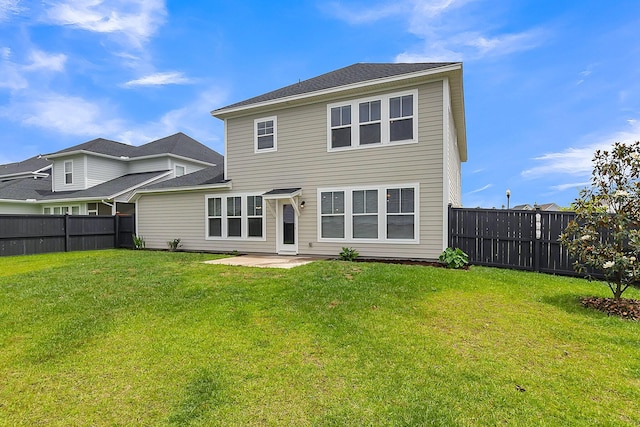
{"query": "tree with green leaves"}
(605, 234)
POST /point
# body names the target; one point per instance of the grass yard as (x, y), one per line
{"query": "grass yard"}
(158, 338)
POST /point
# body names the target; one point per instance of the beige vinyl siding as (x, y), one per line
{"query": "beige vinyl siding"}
(302, 160)
(164, 217)
(79, 167)
(100, 169)
(149, 165)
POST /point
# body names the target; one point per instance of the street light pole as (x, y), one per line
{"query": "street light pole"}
(508, 197)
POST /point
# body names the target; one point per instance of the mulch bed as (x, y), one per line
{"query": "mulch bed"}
(625, 308)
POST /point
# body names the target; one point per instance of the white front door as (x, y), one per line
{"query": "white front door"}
(286, 229)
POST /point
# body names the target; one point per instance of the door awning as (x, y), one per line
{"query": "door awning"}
(284, 194)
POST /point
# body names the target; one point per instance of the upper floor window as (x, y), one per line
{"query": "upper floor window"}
(68, 172)
(382, 120)
(265, 134)
(180, 170)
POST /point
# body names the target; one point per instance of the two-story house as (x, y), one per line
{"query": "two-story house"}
(368, 156)
(97, 177)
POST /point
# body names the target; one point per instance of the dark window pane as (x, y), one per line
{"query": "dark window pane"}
(372, 201)
(407, 106)
(341, 137)
(335, 117)
(333, 227)
(234, 207)
(346, 115)
(215, 227)
(407, 200)
(338, 202)
(364, 112)
(393, 200)
(326, 202)
(401, 130)
(234, 227)
(215, 207)
(370, 134)
(394, 107)
(365, 227)
(375, 110)
(265, 142)
(400, 226)
(255, 227)
(358, 202)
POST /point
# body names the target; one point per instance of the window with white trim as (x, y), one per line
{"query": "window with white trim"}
(61, 210)
(382, 214)
(341, 126)
(368, 122)
(332, 214)
(68, 172)
(265, 134)
(236, 216)
(401, 217)
(180, 170)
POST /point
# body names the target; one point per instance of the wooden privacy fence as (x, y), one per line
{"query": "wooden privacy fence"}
(526, 240)
(34, 234)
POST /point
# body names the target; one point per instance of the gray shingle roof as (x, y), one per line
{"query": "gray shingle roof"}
(356, 73)
(24, 188)
(102, 146)
(206, 176)
(26, 166)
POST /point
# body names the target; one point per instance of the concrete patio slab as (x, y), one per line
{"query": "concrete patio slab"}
(265, 261)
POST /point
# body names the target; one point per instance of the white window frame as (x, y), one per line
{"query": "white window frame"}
(61, 210)
(385, 121)
(256, 122)
(67, 173)
(244, 235)
(175, 170)
(382, 214)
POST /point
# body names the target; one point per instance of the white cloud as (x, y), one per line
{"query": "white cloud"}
(8, 8)
(578, 161)
(41, 60)
(570, 186)
(159, 79)
(361, 15)
(481, 189)
(137, 20)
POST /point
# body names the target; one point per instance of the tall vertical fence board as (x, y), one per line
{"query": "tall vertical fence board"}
(35, 234)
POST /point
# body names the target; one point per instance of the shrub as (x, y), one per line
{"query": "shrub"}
(139, 242)
(454, 258)
(174, 245)
(348, 254)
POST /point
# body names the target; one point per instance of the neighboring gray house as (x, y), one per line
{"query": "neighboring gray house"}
(98, 177)
(367, 156)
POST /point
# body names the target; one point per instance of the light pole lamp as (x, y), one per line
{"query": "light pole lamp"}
(508, 197)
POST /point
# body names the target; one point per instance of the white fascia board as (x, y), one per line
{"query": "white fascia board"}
(431, 72)
(142, 184)
(23, 202)
(127, 159)
(135, 196)
(30, 174)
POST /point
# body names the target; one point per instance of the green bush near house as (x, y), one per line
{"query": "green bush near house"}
(160, 338)
(454, 258)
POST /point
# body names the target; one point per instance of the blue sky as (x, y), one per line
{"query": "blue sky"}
(546, 82)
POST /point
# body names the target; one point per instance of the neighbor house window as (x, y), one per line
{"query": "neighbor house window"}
(365, 214)
(92, 208)
(400, 213)
(371, 214)
(266, 134)
(214, 216)
(180, 170)
(370, 122)
(341, 126)
(401, 118)
(332, 214)
(235, 216)
(254, 216)
(68, 172)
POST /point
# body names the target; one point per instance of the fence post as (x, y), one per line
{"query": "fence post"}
(538, 240)
(116, 227)
(66, 232)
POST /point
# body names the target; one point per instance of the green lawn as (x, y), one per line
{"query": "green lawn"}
(158, 338)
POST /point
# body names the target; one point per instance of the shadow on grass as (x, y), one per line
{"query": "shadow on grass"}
(203, 393)
(570, 303)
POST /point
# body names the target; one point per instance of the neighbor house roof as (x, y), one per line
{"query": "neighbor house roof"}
(24, 189)
(178, 144)
(31, 166)
(211, 177)
(356, 73)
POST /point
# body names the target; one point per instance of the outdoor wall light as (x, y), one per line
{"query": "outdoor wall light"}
(302, 204)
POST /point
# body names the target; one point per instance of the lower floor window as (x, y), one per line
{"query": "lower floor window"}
(61, 210)
(383, 213)
(237, 216)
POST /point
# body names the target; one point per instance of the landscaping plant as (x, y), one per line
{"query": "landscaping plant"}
(348, 254)
(454, 258)
(605, 234)
(174, 245)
